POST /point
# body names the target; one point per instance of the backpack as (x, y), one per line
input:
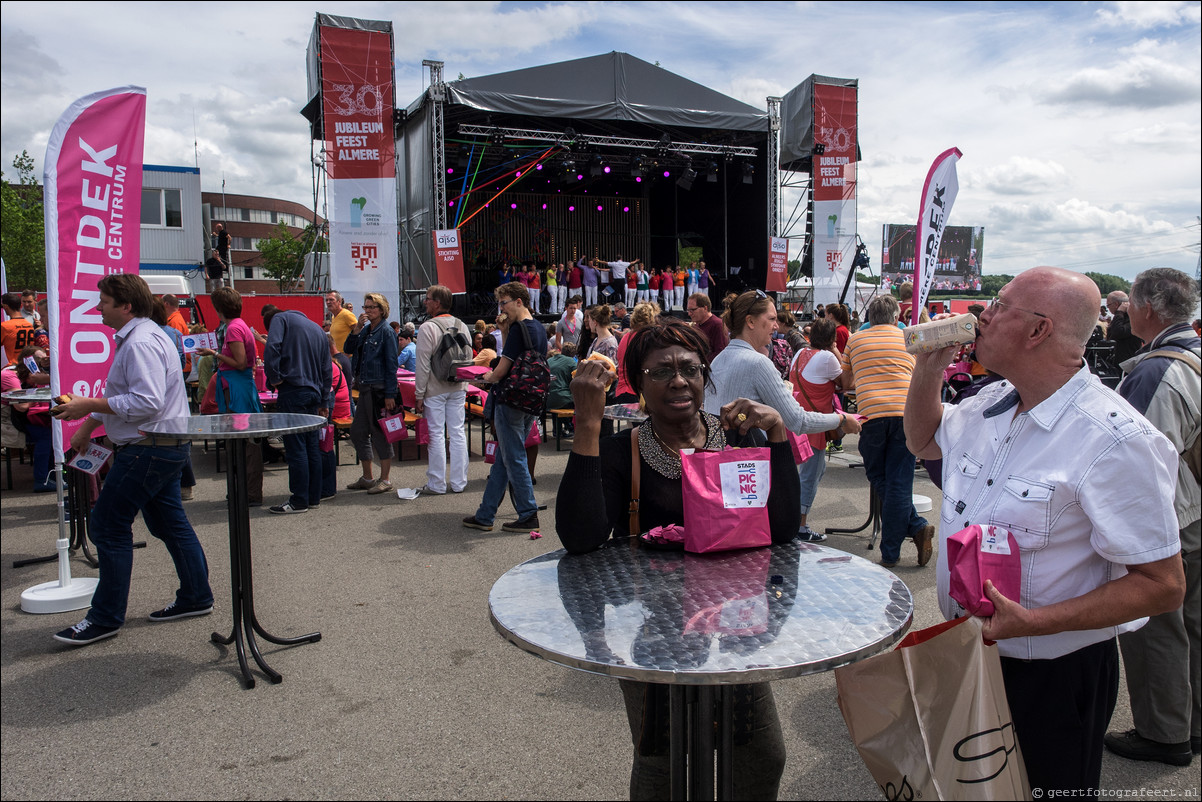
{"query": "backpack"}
(1192, 456)
(782, 356)
(454, 350)
(525, 386)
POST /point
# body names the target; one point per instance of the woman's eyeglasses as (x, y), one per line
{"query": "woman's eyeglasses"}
(665, 373)
(371, 306)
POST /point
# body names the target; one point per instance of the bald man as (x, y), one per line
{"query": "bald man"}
(1126, 343)
(1084, 483)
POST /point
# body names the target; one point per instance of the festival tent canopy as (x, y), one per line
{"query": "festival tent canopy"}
(612, 86)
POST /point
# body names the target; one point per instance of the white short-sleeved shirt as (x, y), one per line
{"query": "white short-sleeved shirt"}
(1083, 482)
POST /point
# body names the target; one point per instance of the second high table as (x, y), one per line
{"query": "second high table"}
(237, 428)
(701, 623)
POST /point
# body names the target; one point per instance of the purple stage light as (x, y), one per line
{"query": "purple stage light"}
(667, 173)
(450, 170)
(538, 167)
(544, 206)
(571, 208)
(600, 208)
(607, 168)
(638, 179)
(513, 206)
(626, 208)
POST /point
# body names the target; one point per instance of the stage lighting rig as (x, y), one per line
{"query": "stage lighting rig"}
(748, 172)
(687, 176)
(661, 148)
(711, 172)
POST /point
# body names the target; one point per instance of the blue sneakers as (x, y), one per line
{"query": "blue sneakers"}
(85, 632)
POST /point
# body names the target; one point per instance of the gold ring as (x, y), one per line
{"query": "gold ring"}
(740, 417)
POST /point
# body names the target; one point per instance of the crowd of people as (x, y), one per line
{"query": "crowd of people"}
(1037, 446)
(598, 280)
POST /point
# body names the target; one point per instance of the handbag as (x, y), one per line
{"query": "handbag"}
(726, 499)
(423, 432)
(534, 437)
(490, 452)
(931, 720)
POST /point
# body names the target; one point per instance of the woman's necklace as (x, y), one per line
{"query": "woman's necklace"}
(664, 459)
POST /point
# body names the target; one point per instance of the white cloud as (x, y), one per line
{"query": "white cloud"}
(1142, 15)
(1147, 79)
(1020, 175)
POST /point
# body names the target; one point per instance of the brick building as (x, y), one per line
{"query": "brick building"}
(249, 218)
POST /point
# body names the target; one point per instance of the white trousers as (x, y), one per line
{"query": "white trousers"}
(590, 296)
(444, 420)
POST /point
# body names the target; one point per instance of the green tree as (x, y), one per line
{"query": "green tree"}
(284, 254)
(23, 227)
(864, 278)
(990, 284)
(1108, 283)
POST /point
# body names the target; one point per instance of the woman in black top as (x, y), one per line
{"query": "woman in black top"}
(667, 365)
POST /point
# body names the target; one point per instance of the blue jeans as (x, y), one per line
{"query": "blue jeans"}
(144, 478)
(302, 451)
(39, 438)
(810, 472)
(890, 468)
(512, 425)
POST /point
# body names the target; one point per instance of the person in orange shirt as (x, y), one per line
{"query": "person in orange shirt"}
(16, 332)
(175, 319)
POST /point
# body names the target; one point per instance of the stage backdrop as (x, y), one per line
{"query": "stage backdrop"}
(357, 105)
(93, 203)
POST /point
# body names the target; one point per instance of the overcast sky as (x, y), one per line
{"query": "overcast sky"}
(1079, 122)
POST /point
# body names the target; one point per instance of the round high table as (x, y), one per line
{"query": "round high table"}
(237, 428)
(699, 624)
(28, 394)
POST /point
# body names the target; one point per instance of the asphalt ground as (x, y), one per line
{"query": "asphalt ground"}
(410, 694)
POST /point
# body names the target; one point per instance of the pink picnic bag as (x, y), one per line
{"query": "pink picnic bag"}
(978, 553)
(726, 499)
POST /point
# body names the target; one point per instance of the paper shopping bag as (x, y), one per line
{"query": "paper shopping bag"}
(978, 553)
(533, 437)
(423, 432)
(325, 438)
(394, 427)
(726, 499)
(930, 719)
(490, 452)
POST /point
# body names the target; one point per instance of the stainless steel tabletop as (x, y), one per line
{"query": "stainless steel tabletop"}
(234, 425)
(28, 394)
(669, 617)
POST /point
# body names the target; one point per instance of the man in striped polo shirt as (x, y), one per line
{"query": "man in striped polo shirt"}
(877, 367)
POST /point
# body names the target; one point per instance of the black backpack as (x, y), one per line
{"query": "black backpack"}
(525, 385)
(453, 351)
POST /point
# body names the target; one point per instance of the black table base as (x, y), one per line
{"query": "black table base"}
(246, 624)
(79, 505)
(874, 520)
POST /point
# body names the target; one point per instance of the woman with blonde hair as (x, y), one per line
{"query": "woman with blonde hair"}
(374, 348)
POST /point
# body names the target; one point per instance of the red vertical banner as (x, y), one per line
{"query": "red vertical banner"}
(449, 258)
(834, 189)
(357, 120)
(778, 264)
(93, 208)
